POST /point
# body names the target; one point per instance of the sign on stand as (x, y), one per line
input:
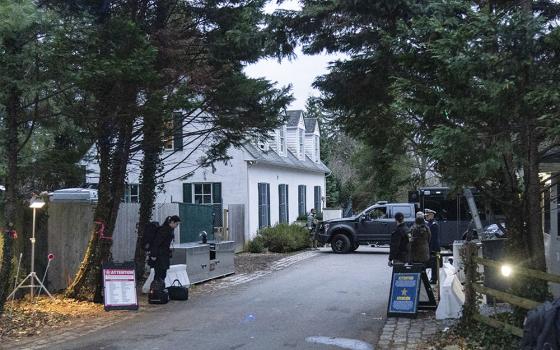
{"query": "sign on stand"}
(119, 286)
(404, 298)
(405, 291)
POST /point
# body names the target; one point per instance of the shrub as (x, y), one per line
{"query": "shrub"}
(256, 245)
(284, 238)
(302, 218)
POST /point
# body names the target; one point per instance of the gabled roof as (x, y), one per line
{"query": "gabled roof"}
(310, 125)
(293, 118)
(290, 161)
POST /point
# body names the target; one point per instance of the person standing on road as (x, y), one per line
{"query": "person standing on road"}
(311, 226)
(161, 252)
(399, 249)
(420, 241)
(435, 247)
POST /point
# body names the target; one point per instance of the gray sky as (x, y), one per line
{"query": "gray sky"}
(299, 72)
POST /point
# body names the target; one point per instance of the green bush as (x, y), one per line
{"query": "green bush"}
(256, 245)
(284, 238)
(302, 218)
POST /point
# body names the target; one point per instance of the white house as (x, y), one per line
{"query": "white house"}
(276, 181)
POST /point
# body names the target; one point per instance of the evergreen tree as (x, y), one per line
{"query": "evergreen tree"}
(472, 83)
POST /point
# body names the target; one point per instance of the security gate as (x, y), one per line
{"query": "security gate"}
(196, 218)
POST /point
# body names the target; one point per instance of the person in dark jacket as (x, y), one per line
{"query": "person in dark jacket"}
(161, 252)
(420, 240)
(399, 250)
(435, 246)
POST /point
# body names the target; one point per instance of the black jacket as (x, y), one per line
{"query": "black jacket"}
(161, 247)
(434, 241)
(399, 244)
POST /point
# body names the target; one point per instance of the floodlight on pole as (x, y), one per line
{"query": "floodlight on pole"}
(35, 203)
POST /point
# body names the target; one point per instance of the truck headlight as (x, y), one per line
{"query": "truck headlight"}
(326, 227)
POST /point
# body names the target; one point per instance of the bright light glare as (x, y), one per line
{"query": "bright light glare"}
(37, 204)
(506, 270)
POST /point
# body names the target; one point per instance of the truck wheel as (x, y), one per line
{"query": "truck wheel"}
(355, 246)
(340, 244)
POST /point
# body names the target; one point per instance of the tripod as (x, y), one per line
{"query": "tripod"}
(32, 276)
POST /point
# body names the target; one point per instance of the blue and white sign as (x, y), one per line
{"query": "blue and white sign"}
(405, 290)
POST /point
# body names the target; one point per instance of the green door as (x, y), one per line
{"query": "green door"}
(195, 218)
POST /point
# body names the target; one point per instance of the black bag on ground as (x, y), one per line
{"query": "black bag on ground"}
(158, 296)
(157, 284)
(178, 292)
(150, 231)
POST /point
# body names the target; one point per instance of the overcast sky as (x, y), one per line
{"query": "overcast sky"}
(299, 72)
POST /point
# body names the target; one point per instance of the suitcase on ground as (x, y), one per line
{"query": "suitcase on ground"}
(158, 296)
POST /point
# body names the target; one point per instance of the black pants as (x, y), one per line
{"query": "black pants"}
(434, 267)
(160, 268)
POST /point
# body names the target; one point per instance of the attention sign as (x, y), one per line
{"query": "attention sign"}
(405, 290)
(119, 286)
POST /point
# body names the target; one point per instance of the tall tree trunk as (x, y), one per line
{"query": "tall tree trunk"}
(11, 147)
(152, 142)
(151, 146)
(87, 284)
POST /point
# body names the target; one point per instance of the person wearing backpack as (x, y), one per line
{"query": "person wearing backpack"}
(399, 250)
(150, 231)
(160, 250)
(420, 236)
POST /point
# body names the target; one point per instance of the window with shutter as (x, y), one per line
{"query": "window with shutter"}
(264, 204)
(177, 131)
(302, 207)
(187, 193)
(283, 203)
(317, 199)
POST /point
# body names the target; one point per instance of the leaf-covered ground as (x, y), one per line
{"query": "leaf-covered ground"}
(26, 318)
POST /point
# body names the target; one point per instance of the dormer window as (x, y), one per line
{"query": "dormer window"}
(282, 138)
(301, 144)
(317, 148)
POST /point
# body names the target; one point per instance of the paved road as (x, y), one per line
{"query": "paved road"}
(300, 307)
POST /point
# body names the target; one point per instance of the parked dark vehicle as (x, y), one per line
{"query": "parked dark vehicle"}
(372, 226)
(452, 211)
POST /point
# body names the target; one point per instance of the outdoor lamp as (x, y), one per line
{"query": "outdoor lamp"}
(35, 203)
(506, 270)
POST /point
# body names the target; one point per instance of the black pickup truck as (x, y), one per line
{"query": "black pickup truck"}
(372, 226)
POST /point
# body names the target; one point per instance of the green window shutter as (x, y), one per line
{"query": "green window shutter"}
(178, 131)
(260, 190)
(187, 192)
(302, 200)
(268, 204)
(287, 205)
(217, 192)
(317, 199)
(280, 204)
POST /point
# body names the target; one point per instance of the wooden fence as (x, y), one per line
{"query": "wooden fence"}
(69, 229)
(473, 286)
